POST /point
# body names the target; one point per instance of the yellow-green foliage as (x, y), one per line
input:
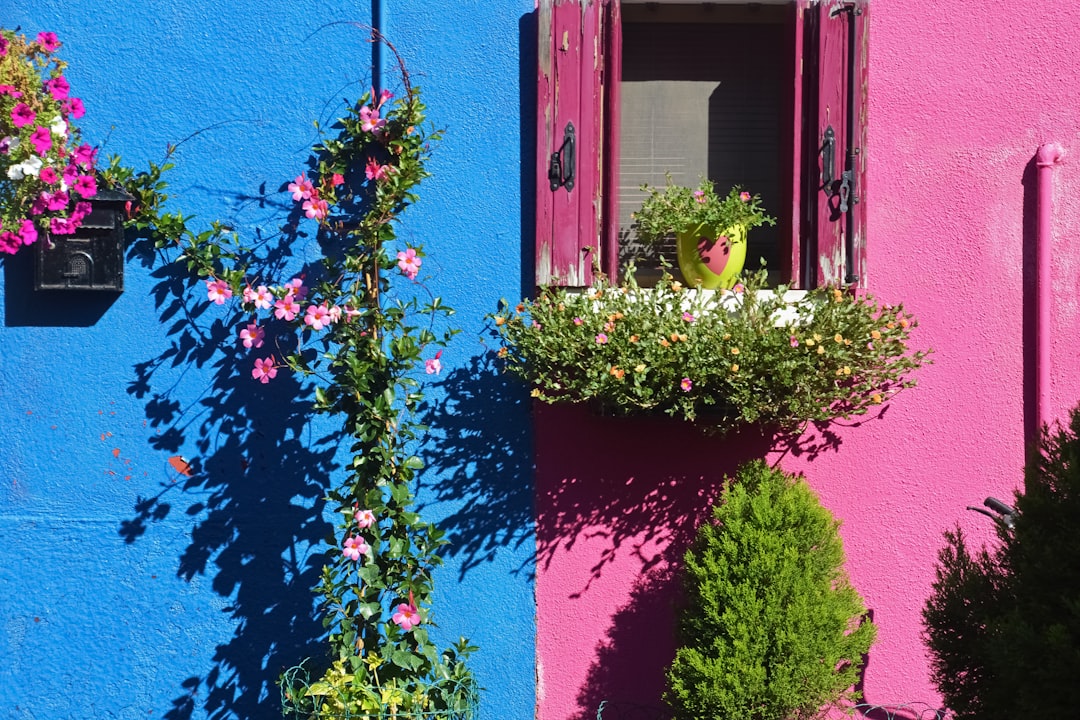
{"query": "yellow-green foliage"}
(772, 628)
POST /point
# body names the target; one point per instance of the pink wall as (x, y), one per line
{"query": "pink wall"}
(961, 96)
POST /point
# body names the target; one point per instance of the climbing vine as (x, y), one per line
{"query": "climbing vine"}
(361, 329)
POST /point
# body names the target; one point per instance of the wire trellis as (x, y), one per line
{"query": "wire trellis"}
(298, 703)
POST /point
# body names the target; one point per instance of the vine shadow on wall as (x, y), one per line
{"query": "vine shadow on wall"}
(254, 490)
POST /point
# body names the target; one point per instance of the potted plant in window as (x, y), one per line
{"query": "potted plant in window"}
(710, 229)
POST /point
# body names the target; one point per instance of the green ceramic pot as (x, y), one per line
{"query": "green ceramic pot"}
(709, 259)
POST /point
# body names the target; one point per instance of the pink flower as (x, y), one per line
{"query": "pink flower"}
(738, 288)
(252, 336)
(58, 87)
(71, 174)
(3, 46)
(286, 308)
(9, 242)
(744, 196)
(578, 321)
(57, 200)
(601, 339)
(688, 317)
(407, 617)
(63, 226)
(86, 186)
(82, 209)
(264, 370)
(317, 316)
(686, 384)
(48, 41)
(295, 287)
(383, 97)
(375, 171)
(41, 139)
(699, 195)
(370, 120)
(22, 115)
(335, 314)
(28, 232)
(9, 90)
(355, 547)
(73, 107)
(433, 366)
(316, 208)
(218, 291)
(48, 176)
(337, 179)
(301, 188)
(409, 263)
(260, 297)
(794, 341)
(364, 518)
(84, 155)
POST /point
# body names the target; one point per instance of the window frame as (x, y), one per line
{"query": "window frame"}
(578, 81)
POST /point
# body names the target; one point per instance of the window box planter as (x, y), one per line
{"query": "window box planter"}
(720, 359)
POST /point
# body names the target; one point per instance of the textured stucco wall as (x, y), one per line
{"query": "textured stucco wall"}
(129, 591)
(961, 96)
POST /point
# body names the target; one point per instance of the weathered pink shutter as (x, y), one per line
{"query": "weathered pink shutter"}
(840, 66)
(570, 92)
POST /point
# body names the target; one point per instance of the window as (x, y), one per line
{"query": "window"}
(767, 95)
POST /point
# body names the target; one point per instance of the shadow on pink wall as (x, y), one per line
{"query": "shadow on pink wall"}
(618, 501)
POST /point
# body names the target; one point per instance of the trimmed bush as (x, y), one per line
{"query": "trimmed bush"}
(1003, 627)
(773, 629)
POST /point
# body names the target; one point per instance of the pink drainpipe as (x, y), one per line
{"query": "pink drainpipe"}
(1048, 155)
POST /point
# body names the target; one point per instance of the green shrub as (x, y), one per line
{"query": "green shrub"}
(772, 630)
(1003, 627)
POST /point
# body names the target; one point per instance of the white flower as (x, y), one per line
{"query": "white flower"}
(30, 166)
(58, 126)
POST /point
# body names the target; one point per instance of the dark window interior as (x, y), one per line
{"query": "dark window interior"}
(703, 95)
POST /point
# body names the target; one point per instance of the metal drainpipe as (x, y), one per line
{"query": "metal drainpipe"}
(1048, 156)
(376, 47)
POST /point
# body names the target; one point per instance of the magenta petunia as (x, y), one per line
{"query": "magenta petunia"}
(28, 232)
(57, 200)
(84, 155)
(9, 242)
(58, 87)
(86, 186)
(48, 176)
(41, 139)
(22, 115)
(73, 107)
(48, 41)
(63, 226)
(3, 46)
(10, 91)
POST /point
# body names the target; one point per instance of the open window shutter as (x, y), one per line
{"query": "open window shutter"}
(840, 67)
(570, 114)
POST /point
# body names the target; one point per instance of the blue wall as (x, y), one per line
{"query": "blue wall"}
(128, 590)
